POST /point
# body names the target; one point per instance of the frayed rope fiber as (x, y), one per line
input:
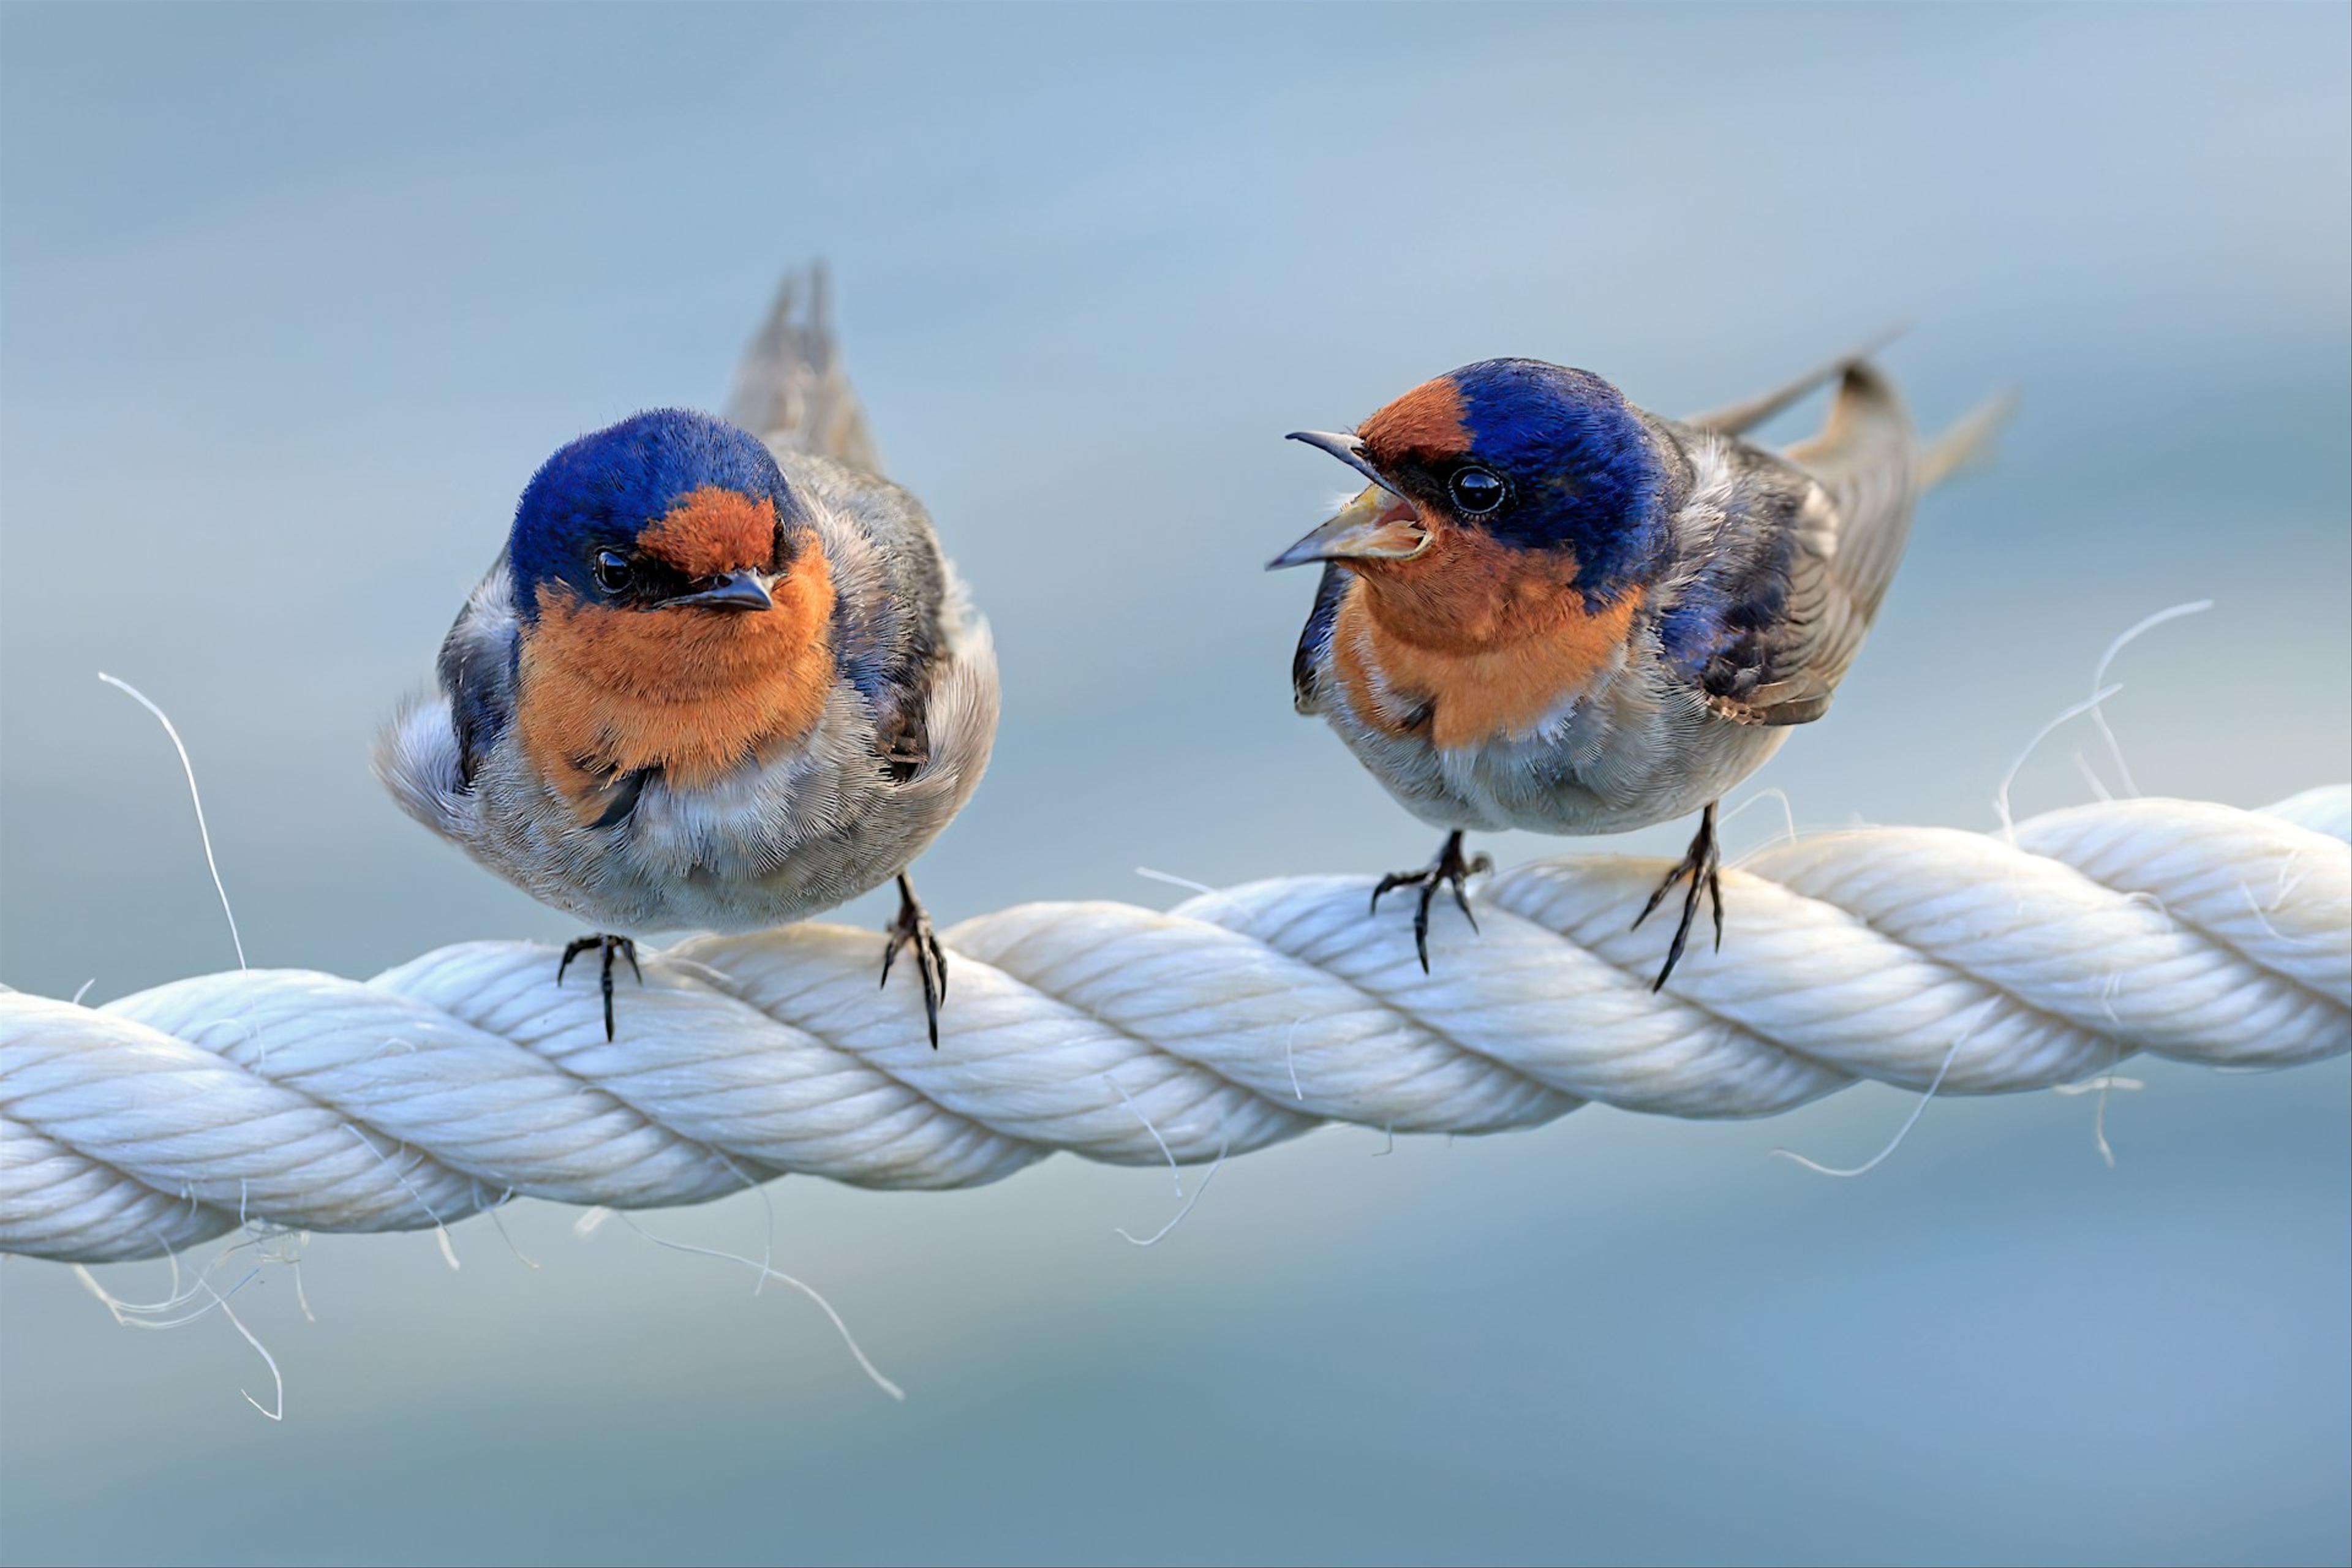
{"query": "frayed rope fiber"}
(307, 1102)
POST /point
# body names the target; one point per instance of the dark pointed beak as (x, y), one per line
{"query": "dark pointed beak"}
(1348, 450)
(731, 591)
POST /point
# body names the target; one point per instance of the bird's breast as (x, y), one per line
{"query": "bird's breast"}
(606, 691)
(1475, 641)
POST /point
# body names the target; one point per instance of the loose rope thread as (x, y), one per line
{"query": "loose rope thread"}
(302, 1100)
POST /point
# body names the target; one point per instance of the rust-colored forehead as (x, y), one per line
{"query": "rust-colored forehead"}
(714, 529)
(1429, 422)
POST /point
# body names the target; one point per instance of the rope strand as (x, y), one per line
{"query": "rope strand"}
(1242, 1018)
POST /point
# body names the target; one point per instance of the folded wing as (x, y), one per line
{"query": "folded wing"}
(1791, 558)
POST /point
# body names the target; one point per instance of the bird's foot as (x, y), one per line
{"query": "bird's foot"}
(1703, 864)
(913, 928)
(609, 946)
(1449, 869)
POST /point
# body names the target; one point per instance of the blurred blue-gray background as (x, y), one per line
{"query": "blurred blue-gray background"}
(293, 301)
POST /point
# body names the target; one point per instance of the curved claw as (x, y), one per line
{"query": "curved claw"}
(1703, 864)
(1449, 869)
(1714, 892)
(607, 946)
(1479, 865)
(913, 929)
(1659, 897)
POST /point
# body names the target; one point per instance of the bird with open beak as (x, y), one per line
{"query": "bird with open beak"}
(1550, 609)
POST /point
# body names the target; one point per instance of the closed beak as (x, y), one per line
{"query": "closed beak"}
(729, 591)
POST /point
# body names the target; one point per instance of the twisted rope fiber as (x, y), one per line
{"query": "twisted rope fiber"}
(1242, 1018)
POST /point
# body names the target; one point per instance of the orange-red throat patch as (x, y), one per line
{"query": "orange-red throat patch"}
(605, 690)
(1486, 640)
(714, 529)
(1430, 422)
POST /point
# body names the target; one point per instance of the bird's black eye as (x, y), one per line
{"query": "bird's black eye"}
(613, 573)
(1476, 491)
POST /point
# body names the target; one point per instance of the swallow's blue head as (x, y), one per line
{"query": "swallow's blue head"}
(675, 608)
(670, 510)
(1530, 456)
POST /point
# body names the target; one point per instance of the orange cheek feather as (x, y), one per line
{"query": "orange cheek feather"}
(1488, 639)
(606, 691)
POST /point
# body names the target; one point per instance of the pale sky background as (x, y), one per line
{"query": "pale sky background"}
(293, 300)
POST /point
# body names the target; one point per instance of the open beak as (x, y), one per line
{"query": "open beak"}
(1379, 525)
(731, 591)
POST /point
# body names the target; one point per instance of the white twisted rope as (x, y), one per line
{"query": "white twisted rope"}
(304, 1101)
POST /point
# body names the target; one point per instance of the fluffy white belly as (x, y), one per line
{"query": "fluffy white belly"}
(1601, 768)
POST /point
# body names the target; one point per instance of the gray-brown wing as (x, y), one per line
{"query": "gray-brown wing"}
(1770, 618)
(890, 586)
(1306, 693)
(477, 666)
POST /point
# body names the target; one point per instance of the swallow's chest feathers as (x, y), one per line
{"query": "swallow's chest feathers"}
(1473, 640)
(607, 692)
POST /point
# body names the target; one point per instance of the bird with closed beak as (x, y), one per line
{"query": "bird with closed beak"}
(1550, 609)
(713, 682)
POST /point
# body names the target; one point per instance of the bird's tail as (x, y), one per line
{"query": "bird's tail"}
(1738, 418)
(1968, 445)
(790, 390)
